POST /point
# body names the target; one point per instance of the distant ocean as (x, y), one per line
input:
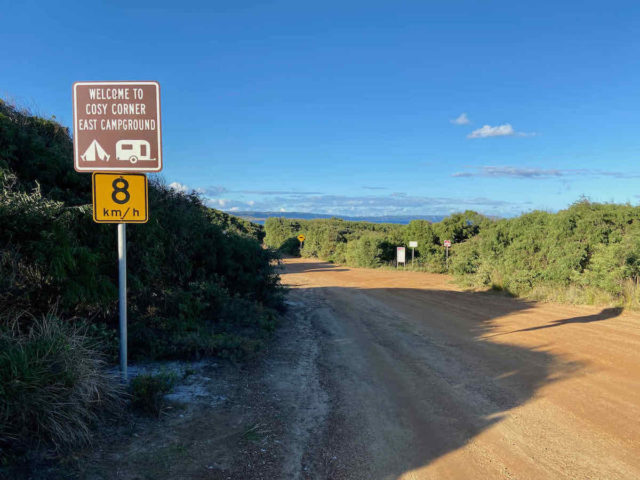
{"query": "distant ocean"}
(260, 217)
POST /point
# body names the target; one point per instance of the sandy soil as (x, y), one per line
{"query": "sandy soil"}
(426, 381)
(380, 374)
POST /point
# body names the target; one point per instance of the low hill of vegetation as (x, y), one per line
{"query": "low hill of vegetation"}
(365, 244)
(199, 281)
(588, 253)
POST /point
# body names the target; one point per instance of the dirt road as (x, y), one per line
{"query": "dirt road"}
(386, 375)
(405, 376)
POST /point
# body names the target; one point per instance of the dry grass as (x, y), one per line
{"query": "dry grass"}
(53, 384)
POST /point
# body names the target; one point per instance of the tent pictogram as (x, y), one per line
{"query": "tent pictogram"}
(95, 152)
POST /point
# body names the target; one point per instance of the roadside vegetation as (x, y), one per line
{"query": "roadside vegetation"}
(588, 253)
(200, 284)
(148, 391)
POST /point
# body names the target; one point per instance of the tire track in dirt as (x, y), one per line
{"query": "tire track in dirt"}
(427, 381)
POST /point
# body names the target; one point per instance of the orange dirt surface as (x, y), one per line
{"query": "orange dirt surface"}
(426, 381)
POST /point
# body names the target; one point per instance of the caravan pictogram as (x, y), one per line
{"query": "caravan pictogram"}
(133, 150)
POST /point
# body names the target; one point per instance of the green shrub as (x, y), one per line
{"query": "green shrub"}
(328, 238)
(366, 251)
(44, 261)
(459, 227)
(200, 283)
(53, 383)
(186, 267)
(148, 391)
(237, 225)
(588, 252)
(279, 231)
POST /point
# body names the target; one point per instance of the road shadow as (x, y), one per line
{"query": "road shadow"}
(413, 376)
(324, 270)
(311, 266)
(605, 314)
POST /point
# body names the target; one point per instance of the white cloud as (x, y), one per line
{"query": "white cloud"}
(505, 130)
(391, 203)
(273, 192)
(511, 172)
(213, 191)
(461, 120)
(180, 187)
(489, 131)
(508, 171)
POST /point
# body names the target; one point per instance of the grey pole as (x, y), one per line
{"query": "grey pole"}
(122, 296)
(413, 250)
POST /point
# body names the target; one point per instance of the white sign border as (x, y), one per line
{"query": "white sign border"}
(76, 153)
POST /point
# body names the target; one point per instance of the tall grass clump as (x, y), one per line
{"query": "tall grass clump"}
(53, 384)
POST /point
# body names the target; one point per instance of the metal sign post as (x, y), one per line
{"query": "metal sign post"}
(413, 245)
(447, 244)
(122, 296)
(117, 128)
(121, 198)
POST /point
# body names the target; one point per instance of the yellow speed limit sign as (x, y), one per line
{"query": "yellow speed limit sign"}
(120, 198)
(301, 238)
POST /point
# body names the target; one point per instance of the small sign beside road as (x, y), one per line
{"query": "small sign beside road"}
(116, 127)
(413, 245)
(301, 238)
(400, 256)
(120, 198)
(447, 244)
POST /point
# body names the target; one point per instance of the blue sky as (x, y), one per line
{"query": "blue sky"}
(351, 107)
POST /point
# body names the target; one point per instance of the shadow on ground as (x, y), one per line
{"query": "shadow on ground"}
(605, 314)
(411, 378)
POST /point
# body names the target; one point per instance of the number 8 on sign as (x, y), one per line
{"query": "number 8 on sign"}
(124, 190)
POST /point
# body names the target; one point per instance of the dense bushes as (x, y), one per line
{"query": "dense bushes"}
(186, 276)
(199, 281)
(233, 224)
(328, 238)
(586, 253)
(364, 244)
(366, 251)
